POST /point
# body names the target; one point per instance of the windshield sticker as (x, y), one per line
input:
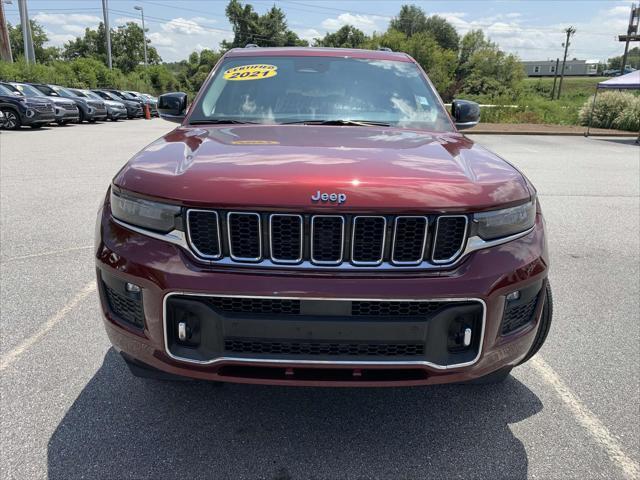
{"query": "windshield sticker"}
(251, 72)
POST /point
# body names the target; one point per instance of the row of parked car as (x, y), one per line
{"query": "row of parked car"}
(37, 104)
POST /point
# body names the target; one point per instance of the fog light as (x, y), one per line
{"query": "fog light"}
(30, 113)
(182, 331)
(132, 288)
(466, 340)
(513, 296)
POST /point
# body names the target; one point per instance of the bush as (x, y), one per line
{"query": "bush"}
(613, 110)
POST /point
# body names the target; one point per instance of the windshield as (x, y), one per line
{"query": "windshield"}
(297, 89)
(4, 90)
(64, 92)
(30, 91)
(91, 94)
(77, 93)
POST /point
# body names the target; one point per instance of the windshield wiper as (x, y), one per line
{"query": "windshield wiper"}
(356, 123)
(220, 121)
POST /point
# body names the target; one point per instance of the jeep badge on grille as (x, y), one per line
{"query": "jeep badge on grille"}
(329, 197)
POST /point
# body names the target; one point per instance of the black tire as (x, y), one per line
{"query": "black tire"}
(35, 127)
(545, 325)
(81, 116)
(11, 120)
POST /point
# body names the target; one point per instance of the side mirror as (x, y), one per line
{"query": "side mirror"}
(466, 114)
(173, 106)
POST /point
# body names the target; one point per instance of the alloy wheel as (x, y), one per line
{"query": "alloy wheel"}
(11, 120)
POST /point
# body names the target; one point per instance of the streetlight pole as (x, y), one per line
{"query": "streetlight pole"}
(107, 32)
(144, 34)
(29, 54)
(5, 45)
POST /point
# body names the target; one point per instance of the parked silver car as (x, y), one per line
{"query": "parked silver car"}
(66, 110)
(115, 110)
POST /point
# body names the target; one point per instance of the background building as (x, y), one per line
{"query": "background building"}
(547, 68)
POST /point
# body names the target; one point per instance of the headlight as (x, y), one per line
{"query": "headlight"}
(509, 221)
(143, 213)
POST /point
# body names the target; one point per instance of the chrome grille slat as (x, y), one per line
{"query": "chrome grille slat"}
(204, 233)
(368, 235)
(245, 236)
(327, 251)
(287, 240)
(450, 240)
(406, 243)
(293, 240)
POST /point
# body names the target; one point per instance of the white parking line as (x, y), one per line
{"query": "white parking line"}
(587, 419)
(15, 353)
(42, 254)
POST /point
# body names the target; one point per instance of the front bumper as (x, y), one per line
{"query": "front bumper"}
(66, 115)
(474, 291)
(113, 113)
(38, 118)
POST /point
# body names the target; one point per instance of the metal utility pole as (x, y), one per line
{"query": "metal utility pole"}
(29, 54)
(144, 34)
(107, 31)
(631, 36)
(555, 78)
(5, 45)
(569, 31)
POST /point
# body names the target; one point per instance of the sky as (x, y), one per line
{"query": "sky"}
(532, 29)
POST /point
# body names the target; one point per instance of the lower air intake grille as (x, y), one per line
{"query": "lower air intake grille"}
(517, 316)
(258, 346)
(255, 305)
(128, 309)
(450, 236)
(395, 309)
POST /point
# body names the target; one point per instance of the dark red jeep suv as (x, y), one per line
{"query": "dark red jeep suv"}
(317, 219)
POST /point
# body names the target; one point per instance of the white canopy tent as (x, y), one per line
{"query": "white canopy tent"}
(630, 81)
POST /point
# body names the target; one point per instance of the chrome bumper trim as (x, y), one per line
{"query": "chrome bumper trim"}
(277, 362)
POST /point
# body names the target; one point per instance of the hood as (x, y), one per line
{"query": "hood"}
(38, 101)
(61, 101)
(280, 167)
(113, 103)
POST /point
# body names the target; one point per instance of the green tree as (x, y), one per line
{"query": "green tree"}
(127, 48)
(488, 70)
(346, 37)
(633, 59)
(268, 30)
(410, 20)
(39, 36)
(437, 62)
(443, 32)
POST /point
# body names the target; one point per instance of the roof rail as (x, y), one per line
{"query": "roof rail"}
(384, 49)
(251, 45)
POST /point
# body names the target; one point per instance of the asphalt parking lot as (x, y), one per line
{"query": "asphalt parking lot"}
(70, 408)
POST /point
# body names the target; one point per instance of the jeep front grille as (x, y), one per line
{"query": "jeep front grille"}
(359, 241)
